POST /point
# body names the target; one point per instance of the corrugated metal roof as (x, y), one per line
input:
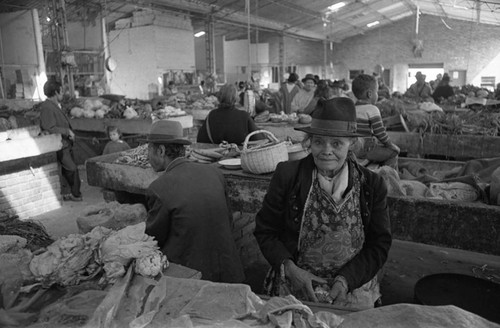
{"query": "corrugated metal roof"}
(302, 18)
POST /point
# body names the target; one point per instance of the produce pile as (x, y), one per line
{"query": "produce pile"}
(168, 111)
(135, 157)
(139, 156)
(100, 108)
(207, 103)
(76, 258)
(430, 118)
(206, 156)
(29, 281)
(34, 233)
(470, 123)
(292, 118)
(395, 106)
(7, 120)
(112, 106)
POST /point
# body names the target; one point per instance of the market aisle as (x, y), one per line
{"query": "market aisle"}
(62, 222)
(407, 261)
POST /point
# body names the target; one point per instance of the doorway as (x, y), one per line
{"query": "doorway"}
(430, 73)
(386, 77)
(457, 78)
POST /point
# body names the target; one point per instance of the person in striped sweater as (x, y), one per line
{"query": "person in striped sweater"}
(375, 146)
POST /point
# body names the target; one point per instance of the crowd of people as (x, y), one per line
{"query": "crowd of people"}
(303, 96)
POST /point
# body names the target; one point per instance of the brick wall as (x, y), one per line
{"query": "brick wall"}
(29, 192)
(467, 46)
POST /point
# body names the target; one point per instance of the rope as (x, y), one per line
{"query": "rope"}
(247, 7)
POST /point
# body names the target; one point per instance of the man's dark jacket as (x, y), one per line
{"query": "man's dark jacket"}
(188, 215)
(53, 120)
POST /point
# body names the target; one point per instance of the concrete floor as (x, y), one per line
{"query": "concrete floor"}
(407, 262)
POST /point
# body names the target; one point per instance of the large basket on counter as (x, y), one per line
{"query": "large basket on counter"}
(263, 159)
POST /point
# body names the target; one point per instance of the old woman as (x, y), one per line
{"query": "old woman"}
(324, 224)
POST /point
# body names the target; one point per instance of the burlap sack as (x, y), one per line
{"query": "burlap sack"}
(456, 191)
(111, 215)
(414, 188)
(391, 178)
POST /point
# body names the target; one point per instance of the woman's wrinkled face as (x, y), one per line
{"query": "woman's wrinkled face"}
(329, 153)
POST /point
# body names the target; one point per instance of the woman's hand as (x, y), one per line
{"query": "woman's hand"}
(339, 290)
(301, 280)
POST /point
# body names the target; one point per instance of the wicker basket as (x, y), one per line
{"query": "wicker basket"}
(260, 160)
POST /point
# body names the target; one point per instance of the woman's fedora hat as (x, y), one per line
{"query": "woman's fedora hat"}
(166, 132)
(334, 117)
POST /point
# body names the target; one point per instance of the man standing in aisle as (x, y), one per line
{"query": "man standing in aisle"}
(54, 120)
(188, 212)
(303, 98)
(288, 90)
(420, 90)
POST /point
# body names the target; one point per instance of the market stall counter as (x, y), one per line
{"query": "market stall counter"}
(127, 126)
(414, 144)
(459, 147)
(463, 225)
(92, 134)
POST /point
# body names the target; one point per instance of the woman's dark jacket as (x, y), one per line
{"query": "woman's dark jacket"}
(278, 222)
(227, 124)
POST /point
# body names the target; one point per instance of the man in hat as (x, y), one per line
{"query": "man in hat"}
(187, 208)
(54, 120)
(324, 224)
(420, 91)
(303, 98)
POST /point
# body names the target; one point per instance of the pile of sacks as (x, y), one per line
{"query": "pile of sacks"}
(453, 191)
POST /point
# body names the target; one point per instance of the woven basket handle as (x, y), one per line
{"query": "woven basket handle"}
(270, 136)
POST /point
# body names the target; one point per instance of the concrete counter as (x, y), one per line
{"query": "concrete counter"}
(132, 126)
(468, 226)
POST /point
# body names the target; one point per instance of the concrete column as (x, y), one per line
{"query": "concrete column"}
(107, 73)
(41, 77)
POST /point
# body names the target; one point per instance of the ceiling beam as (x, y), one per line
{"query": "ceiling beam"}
(411, 5)
(384, 17)
(440, 7)
(299, 9)
(198, 6)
